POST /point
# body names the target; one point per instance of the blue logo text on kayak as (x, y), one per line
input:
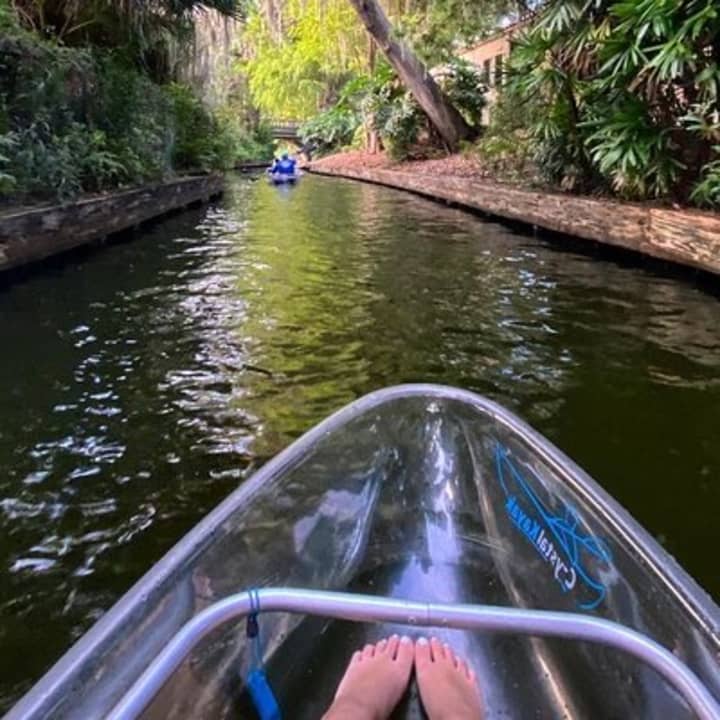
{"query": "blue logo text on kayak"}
(575, 559)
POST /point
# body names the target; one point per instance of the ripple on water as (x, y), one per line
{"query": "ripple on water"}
(148, 380)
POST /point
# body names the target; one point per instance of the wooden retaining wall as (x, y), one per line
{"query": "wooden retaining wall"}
(248, 167)
(34, 234)
(689, 237)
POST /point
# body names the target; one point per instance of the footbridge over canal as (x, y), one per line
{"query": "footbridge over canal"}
(287, 130)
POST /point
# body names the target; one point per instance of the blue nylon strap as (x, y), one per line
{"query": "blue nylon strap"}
(258, 686)
(262, 696)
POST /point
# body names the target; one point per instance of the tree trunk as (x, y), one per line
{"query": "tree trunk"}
(372, 141)
(449, 123)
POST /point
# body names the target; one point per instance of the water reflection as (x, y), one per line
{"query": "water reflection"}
(145, 381)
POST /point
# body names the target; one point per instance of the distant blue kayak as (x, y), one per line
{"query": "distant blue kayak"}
(279, 179)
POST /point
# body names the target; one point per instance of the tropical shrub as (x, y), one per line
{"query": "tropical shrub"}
(201, 141)
(76, 119)
(242, 142)
(464, 85)
(707, 191)
(403, 127)
(706, 123)
(628, 87)
(378, 102)
(399, 122)
(505, 147)
(334, 128)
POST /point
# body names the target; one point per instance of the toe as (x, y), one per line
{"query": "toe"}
(450, 655)
(423, 656)
(381, 647)
(392, 645)
(437, 649)
(405, 651)
(357, 657)
(368, 651)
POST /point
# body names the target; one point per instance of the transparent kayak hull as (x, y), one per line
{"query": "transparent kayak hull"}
(422, 493)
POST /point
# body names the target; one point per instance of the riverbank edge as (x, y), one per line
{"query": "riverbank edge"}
(251, 167)
(686, 236)
(33, 234)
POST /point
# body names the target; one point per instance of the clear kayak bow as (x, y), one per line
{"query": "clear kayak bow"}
(423, 505)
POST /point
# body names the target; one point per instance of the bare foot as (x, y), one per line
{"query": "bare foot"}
(448, 689)
(374, 681)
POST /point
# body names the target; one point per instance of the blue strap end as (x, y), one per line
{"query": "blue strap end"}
(262, 696)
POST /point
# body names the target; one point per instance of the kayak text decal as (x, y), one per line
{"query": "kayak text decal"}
(572, 556)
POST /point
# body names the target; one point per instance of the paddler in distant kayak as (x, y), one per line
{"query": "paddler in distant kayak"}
(284, 166)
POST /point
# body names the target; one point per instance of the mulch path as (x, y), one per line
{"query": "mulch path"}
(458, 165)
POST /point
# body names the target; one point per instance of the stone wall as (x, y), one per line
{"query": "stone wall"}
(37, 233)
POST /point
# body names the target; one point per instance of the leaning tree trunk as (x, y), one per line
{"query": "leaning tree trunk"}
(449, 123)
(372, 139)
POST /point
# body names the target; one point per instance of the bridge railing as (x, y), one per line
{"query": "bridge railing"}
(284, 128)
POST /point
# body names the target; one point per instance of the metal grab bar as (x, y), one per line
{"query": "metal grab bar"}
(368, 608)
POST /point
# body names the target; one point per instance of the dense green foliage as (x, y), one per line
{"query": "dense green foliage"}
(150, 33)
(603, 96)
(465, 86)
(300, 53)
(332, 129)
(75, 122)
(629, 92)
(438, 28)
(505, 145)
(613, 96)
(90, 118)
(379, 103)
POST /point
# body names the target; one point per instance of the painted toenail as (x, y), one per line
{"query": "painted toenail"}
(405, 640)
(422, 641)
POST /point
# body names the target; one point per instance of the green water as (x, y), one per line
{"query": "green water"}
(145, 380)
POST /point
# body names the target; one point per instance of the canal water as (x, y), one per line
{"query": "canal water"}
(145, 380)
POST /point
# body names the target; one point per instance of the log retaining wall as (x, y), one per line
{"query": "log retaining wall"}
(689, 237)
(29, 235)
